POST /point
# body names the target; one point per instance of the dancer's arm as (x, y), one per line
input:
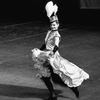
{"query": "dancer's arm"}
(56, 44)
(43, 47)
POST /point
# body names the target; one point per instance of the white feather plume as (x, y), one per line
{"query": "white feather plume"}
(51, 8)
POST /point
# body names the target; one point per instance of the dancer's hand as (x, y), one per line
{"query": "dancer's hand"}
(51, 54)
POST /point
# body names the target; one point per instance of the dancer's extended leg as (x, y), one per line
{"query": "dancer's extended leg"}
(49, 85)
(75, 90)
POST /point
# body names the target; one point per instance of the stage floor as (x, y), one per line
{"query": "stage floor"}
(80, 45)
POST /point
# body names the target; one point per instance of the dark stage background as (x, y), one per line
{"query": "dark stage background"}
(70, 12)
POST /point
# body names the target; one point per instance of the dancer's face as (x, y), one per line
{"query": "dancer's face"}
(54, 26)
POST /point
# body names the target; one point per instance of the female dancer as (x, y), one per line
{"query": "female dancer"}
(53, 66)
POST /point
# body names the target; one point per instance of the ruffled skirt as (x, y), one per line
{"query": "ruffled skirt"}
(71, 74)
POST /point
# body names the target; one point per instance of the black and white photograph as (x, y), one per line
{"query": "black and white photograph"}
(49, 50)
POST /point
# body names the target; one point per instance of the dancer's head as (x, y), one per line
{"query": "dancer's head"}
(51, 10)
(54, 25)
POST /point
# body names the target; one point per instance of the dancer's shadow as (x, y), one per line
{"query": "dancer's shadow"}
(24, 92)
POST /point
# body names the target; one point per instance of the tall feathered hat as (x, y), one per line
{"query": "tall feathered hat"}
(51, 10)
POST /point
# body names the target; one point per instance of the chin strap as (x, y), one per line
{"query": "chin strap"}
(55, 49)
